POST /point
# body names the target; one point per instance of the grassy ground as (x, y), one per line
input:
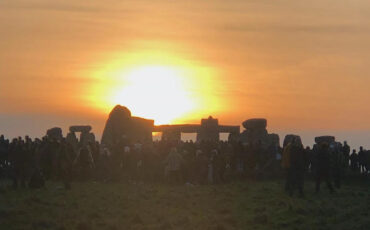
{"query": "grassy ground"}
(242, 205)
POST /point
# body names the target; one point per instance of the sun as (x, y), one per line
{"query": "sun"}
(156, 85)
(155, 92)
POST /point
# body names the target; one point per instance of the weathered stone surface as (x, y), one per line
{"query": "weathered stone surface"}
(87, 138)
(252, 137)
(80, 128)
(255, 123)
(121, 124)
(72, 139)
(289, 138)
(327, 139)
(208, 130)
(55, 133)
(256, 132)
(234, 137)
(274, 138)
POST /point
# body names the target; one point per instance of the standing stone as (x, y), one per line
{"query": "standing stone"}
(55, 133)
(121, 125)
(289, 138)
(327, 139)
(208, 130)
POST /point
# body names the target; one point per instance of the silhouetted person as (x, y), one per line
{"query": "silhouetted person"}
(298, 163)
(201, 163)
(323, 167)
(219, 163)
(18, 160)
(173, 164)
(354, 161)
(285, 165)
(84, 163)
(250, 159)
(362, 159)
(3, 156)
(65, 163)
(338, 164)
(346, 149)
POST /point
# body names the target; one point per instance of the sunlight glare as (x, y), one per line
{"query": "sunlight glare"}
(156, 85)
(156, 92)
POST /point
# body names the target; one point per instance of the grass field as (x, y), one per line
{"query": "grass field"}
(241, 205)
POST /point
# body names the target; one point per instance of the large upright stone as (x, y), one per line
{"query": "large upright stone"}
(208, 130)
(327, 139)
(290, 137)
(55, 133)
(255, 131)
(121, 125)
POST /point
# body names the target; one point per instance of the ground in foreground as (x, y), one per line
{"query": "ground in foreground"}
(242, 205)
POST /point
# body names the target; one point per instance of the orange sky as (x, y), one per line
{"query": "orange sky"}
(304, 65)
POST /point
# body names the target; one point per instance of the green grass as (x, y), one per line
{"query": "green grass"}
(242, 205)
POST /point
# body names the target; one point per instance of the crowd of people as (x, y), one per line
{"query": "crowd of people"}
(29, 163)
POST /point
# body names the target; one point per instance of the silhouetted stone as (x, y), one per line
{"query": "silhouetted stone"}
(121, 125)
(289, 138)
(255, 123)
(72, 139)
(256, 132)
(86, 138)
(80, 128)
(85, 135)
(208, 130)
(274, 138)
(327, 139)
(234, 137)
(55, 133)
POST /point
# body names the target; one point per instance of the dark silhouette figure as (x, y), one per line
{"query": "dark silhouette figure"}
(362, 160)
(323, 167)
(346, 153)
(354, 161)
(338, 164)
(298, 163)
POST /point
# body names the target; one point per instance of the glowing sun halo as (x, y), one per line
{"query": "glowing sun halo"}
(156, 92)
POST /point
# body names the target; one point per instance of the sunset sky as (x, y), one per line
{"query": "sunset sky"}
(303, 65)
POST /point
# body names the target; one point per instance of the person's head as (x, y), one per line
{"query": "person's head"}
(354, 151)
(345, 142)
(361, 148)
